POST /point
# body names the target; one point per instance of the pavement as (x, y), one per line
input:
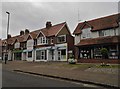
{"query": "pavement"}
(56, 70)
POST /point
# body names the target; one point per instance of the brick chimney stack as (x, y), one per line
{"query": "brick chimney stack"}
(48, 24)
(9, 36)
(27, 31)
(21, 33)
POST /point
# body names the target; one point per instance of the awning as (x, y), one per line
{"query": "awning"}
(17, 51)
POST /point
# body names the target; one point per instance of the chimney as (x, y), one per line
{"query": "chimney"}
(48, 24)
(27, 31)
(21, 33)
(9, 36)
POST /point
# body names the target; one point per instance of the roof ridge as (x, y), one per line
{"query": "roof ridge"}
(102, 17)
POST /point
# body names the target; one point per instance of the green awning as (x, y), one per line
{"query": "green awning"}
(17, 51)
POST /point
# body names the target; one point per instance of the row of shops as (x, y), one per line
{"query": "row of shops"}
(50, 53)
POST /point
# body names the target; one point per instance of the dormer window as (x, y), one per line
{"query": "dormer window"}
(61, 39)
(42, 40)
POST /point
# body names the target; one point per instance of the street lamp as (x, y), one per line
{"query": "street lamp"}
(6, 56)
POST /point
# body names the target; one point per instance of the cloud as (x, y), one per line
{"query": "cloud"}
(33, 15)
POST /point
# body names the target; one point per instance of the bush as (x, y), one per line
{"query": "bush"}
(104, 53)
(72, 61)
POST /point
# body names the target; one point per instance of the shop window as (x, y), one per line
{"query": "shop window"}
(41, 55)
(29, 54)
(63, 52)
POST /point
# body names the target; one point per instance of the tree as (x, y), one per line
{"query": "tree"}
(104, 53)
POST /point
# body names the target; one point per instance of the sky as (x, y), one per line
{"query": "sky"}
(33, 15)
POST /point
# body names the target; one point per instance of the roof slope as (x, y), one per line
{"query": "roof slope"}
(46, 31)
(100, 23)
(53, 30)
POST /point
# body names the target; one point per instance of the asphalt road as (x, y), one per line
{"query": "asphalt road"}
(14, 79)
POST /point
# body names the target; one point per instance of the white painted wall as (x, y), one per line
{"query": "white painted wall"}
(77, 39)
(9, 55)
(49, 56)
(17, 45)
(95, 34)
(30, 44)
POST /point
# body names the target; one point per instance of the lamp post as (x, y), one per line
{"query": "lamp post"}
(6, 56)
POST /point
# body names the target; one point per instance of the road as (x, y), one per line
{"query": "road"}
(14, 79)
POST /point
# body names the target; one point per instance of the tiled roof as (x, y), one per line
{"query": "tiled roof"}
(46, 31)
(52, 30)
(100, 40)
(99, 24)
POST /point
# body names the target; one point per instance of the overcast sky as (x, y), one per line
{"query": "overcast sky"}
(33, 15)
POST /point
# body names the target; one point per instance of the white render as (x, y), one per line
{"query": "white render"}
(95, 34)
(17, 45)
(30, 44)
(77, 39)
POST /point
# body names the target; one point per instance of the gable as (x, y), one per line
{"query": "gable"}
(29, 37)
(85, 25)
(64, 31)
(16, 40)
(40, 34)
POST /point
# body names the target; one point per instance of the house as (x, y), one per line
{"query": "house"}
(52, 43)
(7, 47)
(93, 35)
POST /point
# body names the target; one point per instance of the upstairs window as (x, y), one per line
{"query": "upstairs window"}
(42, 40)
(86, 33)
(61, 39)
(101, 33)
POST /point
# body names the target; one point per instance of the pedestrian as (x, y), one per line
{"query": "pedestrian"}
(5, 59)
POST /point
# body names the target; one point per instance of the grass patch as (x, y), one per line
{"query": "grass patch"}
(78, 65)
(85, 66)
(108, 66)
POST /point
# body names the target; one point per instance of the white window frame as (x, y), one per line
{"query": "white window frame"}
(42, 40)
(61, 36)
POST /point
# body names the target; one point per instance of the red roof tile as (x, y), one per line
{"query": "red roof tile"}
(100, 40)
(53, 30)
(99, 24)
(46, 31)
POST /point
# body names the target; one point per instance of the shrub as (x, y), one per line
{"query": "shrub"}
(104, 53)
(72, 61)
